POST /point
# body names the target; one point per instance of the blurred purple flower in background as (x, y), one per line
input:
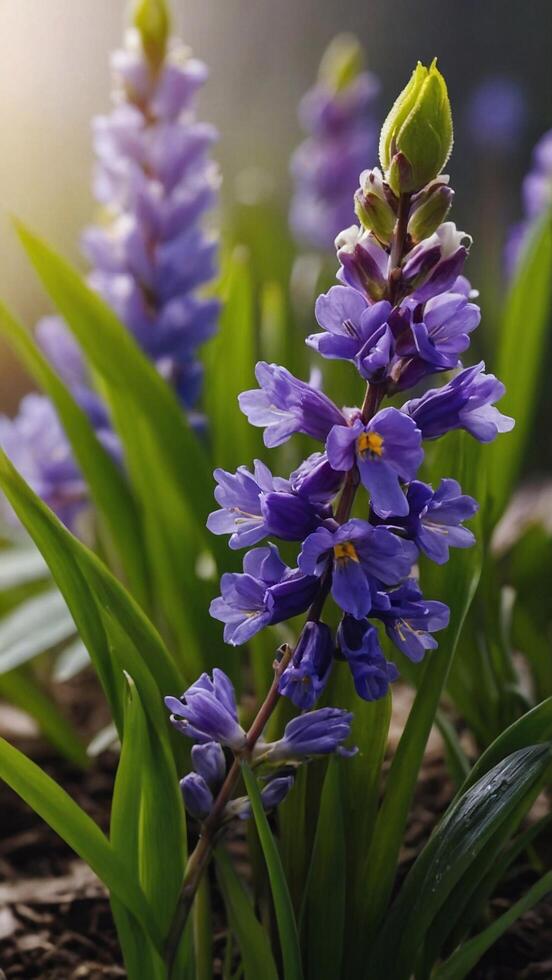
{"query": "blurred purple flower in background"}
(536, 196)
(337, 115)
(496, 114)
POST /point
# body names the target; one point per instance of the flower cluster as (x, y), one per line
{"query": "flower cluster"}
(207, 713)
(537, 198)
(150, 256)
(337, 114)
(401, 313)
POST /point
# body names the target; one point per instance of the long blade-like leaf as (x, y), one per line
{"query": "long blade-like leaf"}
(253, 941)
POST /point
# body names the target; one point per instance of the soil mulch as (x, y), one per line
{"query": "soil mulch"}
(55, 920)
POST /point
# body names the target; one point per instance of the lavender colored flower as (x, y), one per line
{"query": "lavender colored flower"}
(434, 264)
(307, 675)
(435, 518)
(316, 480)
(320, 732)
(266, 593)
(364, 263)
(337, 114)
(207, 711)
(198, 798)
(359, 644)
(442, 327)
(410, 620)
(355, 331)
(208, 760)
(284, 405)
(386, 451)
(496, 114)
(359, 555)
(155, 177)
(272, 794)
(537, 198)
(466, 402)
(38, 447)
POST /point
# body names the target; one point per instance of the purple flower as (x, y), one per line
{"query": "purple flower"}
(316, 480)
(318, 732)
(284, 405)
(410, 620)
(359, 554)
(364, 262)
(497, 112)
(38, 447)
(433, 266)
(207, 711)
(198, 798)
(356, 331)
(463, 403)
(442, 332)
(435, 518)
(341, 136)
(537, 197)
(307, 675)
(208, 760)
(386, 452)
(154, 174)
(273, 793)
(359, 643)
(239, 495)
(267, 592)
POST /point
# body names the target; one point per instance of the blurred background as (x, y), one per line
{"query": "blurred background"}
(262, 57)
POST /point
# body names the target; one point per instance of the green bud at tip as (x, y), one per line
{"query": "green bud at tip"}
(416, 138)
(152, 21)
(342, 62)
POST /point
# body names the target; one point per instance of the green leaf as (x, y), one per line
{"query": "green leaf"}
(325, 899)
(457, 585)
(287, 926)
(36, 625)
(468, 827)
(19, 687)
(253, 941)
(107, 484)
(203, 931)
(78, 830)
(520, 361)
(465, 958)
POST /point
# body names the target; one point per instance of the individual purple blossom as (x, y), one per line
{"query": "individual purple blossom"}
(37, 446)
(434, 521)
(409, 620)
(257, 504)
(284, 405)
(198, 798)
(364, 263)
(207, 711)
(354, 331)
(208, 760)
(359, 644)
(337, 115)
(156, 180)
(307, 674)
(316, 480)
(466, 402)
(359, 554)
(441, 328)
(273, 793)
(320, 732)
(266, 593)
(537, 198)
(386, 451)
(433, 265)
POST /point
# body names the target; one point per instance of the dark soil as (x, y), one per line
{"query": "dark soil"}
(55, 920)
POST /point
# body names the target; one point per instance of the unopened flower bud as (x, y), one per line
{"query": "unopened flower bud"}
(376, 205)
(151, 19)
(342, 62)
(416, 137)
(429, 209)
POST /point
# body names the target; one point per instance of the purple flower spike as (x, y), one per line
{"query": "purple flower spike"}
(435, 518)
(198, 798)
(284, 405)
(267, 592)
(360, 554)
(463, 403)
(307, 675)
(411, 619)
(207, 711)
(359, 643)
(318, 732)
(386, 452)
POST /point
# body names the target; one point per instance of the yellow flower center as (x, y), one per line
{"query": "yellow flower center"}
(370, 442)
(345, 552)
